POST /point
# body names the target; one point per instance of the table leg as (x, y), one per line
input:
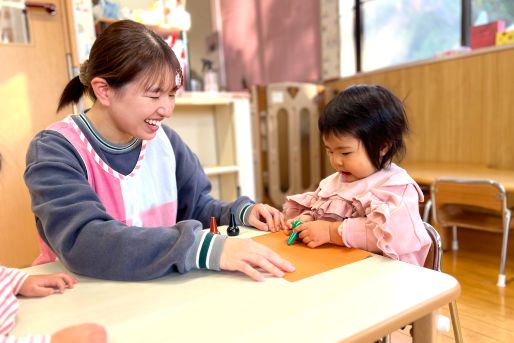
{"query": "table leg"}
(424, 329)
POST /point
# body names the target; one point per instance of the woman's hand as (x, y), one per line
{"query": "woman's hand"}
(266, 218)
(44, 285)
(246, 255)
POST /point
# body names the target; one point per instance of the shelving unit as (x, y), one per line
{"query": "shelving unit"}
(217, 127)
(160, 30)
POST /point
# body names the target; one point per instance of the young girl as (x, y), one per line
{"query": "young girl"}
(369, 203)
(119, 196)
(14, 281)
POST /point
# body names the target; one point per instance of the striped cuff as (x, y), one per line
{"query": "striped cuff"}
(209, 251)
(245, 212)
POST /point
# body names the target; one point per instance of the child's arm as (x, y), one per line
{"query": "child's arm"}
(44, 285)
(84, 333)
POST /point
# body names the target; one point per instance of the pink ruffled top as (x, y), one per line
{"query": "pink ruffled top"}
(379, 213)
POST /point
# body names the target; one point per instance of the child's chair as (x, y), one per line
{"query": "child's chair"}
(433, 261)
(472, 203)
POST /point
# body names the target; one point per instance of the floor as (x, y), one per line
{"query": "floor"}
(486, 311)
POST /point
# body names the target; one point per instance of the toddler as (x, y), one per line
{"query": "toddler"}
(369, 202)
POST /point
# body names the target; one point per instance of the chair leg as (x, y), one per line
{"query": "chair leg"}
(426, 211)
(455, 242)
(457, 333)
(505, 241)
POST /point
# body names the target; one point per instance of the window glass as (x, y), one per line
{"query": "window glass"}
(13, 22)
(485, 11)
(347, 24)
(400, 31)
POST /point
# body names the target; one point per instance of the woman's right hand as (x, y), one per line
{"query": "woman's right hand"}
(83, 333)
(246, 255)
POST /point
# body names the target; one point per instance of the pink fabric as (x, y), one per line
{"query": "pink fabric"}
(270, 41)
(380, 213)
(158, 216)
(10, 283)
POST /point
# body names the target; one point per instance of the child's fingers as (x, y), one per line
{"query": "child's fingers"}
(56, 283)
(69, 280)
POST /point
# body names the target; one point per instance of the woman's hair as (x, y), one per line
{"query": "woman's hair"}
(371, 114)
(125, 51)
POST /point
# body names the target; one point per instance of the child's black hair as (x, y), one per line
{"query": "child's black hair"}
(371, 114)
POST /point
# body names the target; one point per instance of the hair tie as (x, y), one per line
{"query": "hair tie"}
(83, 73)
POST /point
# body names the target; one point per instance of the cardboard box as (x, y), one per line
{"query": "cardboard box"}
(485, 35)
(503, 38)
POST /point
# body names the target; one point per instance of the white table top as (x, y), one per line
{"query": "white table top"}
(357, 302)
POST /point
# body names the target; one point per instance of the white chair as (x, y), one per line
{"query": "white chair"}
(479, 204)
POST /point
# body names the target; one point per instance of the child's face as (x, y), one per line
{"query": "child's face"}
(136, 111)
(348, 157)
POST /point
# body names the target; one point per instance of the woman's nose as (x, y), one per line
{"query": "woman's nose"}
(166, 107)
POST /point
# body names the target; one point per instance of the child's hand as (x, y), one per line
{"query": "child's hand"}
(266, 218)
(44, 285)
(246, 255)
(304, 218)
(84, 333)
(314, 233)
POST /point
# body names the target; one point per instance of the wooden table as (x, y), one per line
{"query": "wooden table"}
(426, 172)
(359, 302)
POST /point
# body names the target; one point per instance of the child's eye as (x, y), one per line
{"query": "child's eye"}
(345, 153)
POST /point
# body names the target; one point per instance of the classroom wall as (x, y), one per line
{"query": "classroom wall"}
(460, 108)
(269, 41)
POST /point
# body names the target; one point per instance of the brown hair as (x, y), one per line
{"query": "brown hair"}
(125, 51)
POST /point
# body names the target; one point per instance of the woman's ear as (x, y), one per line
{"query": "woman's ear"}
(102, 90)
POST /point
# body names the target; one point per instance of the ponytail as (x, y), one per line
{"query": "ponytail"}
(71, 93)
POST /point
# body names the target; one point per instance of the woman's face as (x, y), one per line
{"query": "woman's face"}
(137, 110)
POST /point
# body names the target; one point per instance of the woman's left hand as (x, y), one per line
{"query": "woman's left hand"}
(266, 218)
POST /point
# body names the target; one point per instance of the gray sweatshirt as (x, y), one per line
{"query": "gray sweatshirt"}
(73, 222)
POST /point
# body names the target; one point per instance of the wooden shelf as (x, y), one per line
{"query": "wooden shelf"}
(218, 170)
(217, 128)
(161, 31)
(209, 98)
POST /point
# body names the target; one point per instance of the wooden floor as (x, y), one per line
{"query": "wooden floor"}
(486, 311)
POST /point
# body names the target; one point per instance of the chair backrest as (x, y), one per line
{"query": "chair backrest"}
(476, 195)
(434, 256)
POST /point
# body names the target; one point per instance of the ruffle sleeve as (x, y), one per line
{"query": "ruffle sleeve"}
(333, 208)
(377, 205)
